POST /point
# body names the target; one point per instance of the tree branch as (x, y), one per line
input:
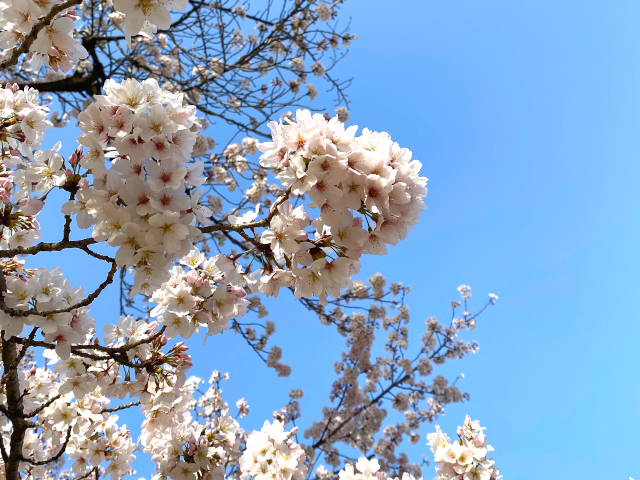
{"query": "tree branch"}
(47, 247)
(83, 303)
(15, 408)
(245, 226)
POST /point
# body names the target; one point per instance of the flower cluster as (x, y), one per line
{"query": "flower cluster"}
(183, 448)
(206, 295)
(54, 46)
(139, 204)
(464, 458)
(367, 188)
(24, 119)
(22, 125)
(272, 454)
(43, 294)
(366, 469)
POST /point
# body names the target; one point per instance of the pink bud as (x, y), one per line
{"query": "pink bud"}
(238, 291)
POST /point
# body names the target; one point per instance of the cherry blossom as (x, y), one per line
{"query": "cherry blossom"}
(464, 458)
(271, 453)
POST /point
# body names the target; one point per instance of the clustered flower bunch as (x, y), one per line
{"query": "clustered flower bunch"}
(272, 454)
(23, 123)
(200, 297)
(366, 469)
(368, 191)
(466, 457)
(24, 120)
(72, 399)
(55, 45)
(139, 205)
(187, 446)
(47, 301)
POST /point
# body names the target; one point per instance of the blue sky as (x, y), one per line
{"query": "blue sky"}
(526, 116)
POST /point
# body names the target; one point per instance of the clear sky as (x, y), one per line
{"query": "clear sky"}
(526, 115)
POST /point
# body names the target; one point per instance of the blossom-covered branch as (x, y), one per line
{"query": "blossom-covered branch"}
(196, 237)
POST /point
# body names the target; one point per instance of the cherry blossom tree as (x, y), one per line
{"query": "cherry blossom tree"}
(195, 235)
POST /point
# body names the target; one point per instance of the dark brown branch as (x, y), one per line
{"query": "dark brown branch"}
(117, 354)
(77, 82)
(88, 474)
(121, 407)
(25, 347)
(47, 247)
(56, 456)
(42, 407)
(99, 256)
(15, 408)
(246, 226)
